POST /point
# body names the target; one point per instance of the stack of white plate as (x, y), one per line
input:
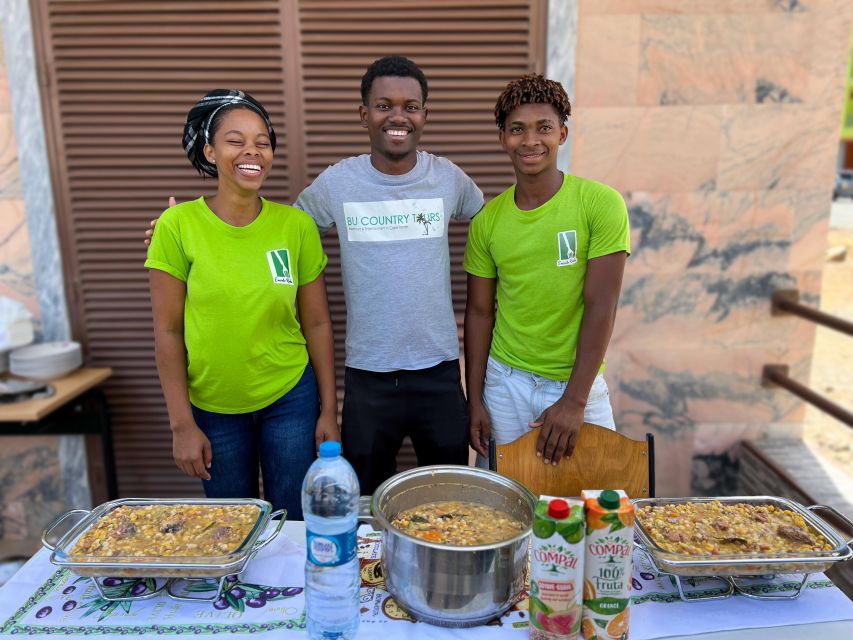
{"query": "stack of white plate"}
(46, 361)
(16, 325)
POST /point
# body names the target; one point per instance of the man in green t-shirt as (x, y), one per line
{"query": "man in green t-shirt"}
(551, 250)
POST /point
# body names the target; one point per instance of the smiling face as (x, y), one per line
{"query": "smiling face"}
(531, 136)
(394, 116)
(241, 150)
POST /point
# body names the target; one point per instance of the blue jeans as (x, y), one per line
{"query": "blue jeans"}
(279, 437)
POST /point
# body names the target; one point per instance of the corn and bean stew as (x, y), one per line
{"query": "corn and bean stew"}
(714, 528)
(459, 523)
(156, 531)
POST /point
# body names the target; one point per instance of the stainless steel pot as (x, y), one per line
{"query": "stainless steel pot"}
(449, 585)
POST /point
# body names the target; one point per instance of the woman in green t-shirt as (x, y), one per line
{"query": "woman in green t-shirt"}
(241, 317)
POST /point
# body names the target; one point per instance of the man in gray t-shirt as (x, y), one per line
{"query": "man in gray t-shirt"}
(392, 209)
(395, 257)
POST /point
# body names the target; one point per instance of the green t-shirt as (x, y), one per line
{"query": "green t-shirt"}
(539, 258)
(244, 345)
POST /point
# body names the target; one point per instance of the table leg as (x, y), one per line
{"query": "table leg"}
(107, 443)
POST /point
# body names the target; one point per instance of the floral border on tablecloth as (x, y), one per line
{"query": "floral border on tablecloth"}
(12, 626)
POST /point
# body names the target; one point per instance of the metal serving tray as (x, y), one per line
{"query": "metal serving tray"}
(158, 567)
(748, 564)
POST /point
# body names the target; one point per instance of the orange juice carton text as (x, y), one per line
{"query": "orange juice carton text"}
(608, 548)
(556, 569)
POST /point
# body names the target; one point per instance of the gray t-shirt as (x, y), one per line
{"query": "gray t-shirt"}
(395, 257)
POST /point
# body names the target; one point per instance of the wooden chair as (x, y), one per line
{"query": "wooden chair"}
(602, 459)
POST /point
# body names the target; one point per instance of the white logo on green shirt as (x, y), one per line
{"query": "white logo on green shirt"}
(279, 260)
(567, 246)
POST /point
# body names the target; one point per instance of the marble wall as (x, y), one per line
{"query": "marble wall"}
(27, 151)
(39, 488)
(16, 267)
(560, 61)
(718, 120)
(39, 476)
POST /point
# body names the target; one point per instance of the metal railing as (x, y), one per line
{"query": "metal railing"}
(787, 302)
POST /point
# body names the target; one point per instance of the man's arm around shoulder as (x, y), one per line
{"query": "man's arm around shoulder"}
(314, 201)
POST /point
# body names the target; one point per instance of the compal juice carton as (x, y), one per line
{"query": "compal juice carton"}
(556, 569)
(607, 564)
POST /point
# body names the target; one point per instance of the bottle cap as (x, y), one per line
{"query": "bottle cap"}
(558, 509)
(609, 499)
(330, 449)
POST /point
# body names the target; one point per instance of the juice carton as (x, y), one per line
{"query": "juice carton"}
(556, 569)
(607, 564)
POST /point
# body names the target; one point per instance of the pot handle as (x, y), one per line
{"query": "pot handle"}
(55, 523)
(260, 544)
(837, 513)
(642, 548)
(638, 544)
(365, 515)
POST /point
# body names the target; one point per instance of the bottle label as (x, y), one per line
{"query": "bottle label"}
(331, 550)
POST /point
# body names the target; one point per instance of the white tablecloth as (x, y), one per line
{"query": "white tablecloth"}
(267, 600)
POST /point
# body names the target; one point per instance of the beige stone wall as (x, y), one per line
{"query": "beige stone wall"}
(719, 122)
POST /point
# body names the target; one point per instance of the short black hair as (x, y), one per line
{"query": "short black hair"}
(397, 66)
(533, 88)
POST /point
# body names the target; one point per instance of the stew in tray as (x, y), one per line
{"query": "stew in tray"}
(714, 528)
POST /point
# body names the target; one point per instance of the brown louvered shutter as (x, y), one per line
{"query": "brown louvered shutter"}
(117, 81)
(120, 78)
(468, 50)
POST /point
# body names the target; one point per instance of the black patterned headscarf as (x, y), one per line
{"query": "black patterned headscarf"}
(202, 116)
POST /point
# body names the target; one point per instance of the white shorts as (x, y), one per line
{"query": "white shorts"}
(514, 398)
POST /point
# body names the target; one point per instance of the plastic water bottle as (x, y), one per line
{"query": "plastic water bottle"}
(332, 576)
